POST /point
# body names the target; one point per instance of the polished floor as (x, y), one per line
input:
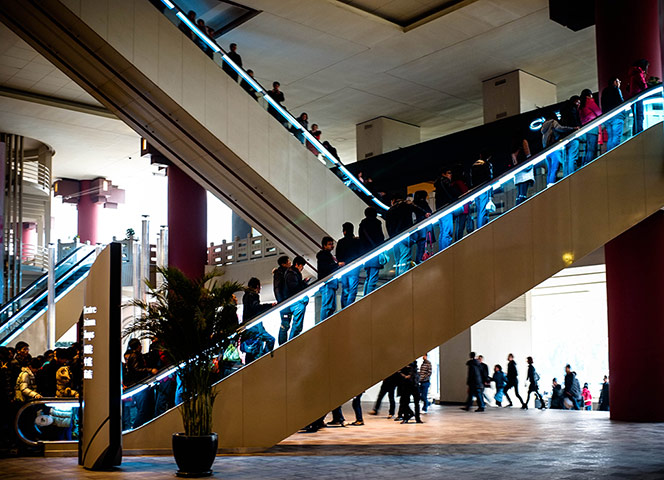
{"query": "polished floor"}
(498, 443)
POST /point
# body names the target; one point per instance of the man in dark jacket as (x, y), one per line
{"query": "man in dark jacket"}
(327, 264)
(572, 388)
(612, 97)
(445, 194)
(294, 285)
(475, 384)
(279, 287)
(512, 380)
(407, 387)
(237, 59)
(533, 378)
(256, 340)
(371, 235)
(349, 248)
(604, 395)
(481, 173)
(399, 218)
(137, 370)
(486, 378)
(569, 117)
(557, 397)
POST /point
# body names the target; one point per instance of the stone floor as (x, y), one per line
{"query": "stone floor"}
(499, 443)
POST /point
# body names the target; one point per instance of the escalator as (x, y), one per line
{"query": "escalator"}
(24, 316)
(141, 65)
(333, 360)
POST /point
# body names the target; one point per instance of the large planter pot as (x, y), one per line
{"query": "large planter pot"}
(194, 455)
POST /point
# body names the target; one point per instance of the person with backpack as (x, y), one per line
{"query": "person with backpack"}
(533, 378)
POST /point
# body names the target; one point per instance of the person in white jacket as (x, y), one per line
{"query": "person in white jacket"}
(26, 386)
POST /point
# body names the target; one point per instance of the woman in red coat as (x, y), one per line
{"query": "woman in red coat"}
(638, 82)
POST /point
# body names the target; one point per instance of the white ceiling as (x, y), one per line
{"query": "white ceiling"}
(341, 67)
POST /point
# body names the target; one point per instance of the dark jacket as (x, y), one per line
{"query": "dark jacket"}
(45, 377)
(137, 369)
(421, 210)
(474, 380)
(371, 234)
(500, 379)
(531, 374)
(349, 248)
(604, 397)
(326, 264)
(445, 192)
(485, 373)
(279, 283)
(557, 398)
(481, 172)
(611, 98)
(294, 282)
(569, 115)
(512, 373)
(399, 218)
(252, 305)
(572, 386)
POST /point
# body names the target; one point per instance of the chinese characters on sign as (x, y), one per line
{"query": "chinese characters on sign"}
(89, 325)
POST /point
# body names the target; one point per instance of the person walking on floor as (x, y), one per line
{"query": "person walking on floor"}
(357, 409)
(387, 388)
(425, 382)
(349, 248)
(486, 379)
(409, 388)
(587, 397)
(572, 389)
(533, 378)
(475, 383)
(500, 380)
(512, 380)
(604, 396)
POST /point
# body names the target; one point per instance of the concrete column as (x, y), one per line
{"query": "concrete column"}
(29, 240)
(88, 215)
(187, 223)
(626, 31)
(514, 93)
(634, 284)
(382, 135)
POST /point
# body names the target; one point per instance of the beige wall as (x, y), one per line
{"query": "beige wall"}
(515, 92)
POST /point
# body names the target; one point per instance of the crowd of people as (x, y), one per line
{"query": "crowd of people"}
(24, 378)
(569, 396)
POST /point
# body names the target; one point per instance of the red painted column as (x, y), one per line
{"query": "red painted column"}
(635, 286)
(88, 215)
(187, 223)
(626, 31)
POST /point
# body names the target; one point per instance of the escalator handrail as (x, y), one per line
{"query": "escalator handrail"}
(36, 281)
(76, 267)
(44, 401)
(274, 104)
(389, 244)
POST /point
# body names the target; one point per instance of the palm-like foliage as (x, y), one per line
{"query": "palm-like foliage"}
(193, 320)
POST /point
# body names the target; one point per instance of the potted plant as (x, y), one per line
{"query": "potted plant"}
(192, 320)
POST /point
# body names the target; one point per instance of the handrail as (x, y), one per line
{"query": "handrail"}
(260, 90)
(44, 401)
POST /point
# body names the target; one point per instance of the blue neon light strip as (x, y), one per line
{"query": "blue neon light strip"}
(287, 116)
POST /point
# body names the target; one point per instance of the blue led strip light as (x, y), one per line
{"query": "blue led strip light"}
(284, 113)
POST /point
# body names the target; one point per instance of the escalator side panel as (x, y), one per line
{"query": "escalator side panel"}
(429, 304)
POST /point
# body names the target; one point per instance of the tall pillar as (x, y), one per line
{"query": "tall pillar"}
(88, 214)
(626, 31)
(187, 223)
(634, 283)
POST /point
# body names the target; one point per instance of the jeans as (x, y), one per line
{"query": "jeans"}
(372, 279)
(144, 407)
(460, 220)
(477, 393)
(446, 225)
(571, 154)
(164, 396)
(286, 315)
(349, 284)
(637, 109)
(591, 146)
(498, 397)
(386, 388)
(614, 128)
(402, 256)
(263, 342)
(522, 191)
(552, 164)
(480, 205)
(297, 310)
(328, 299)
(424, 394)
(357, 408)
(338, 415)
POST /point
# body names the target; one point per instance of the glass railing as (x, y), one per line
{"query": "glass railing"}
(179, 18)
(17, 314)
(398, 254)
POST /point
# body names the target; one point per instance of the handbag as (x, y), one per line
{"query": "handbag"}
(428, 249)
(383, 258)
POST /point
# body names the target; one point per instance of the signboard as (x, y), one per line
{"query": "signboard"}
(100, 446)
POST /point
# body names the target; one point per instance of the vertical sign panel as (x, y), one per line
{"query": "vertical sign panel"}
(101, 439)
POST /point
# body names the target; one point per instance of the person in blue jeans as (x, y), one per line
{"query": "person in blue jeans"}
(327, 265)
(371, 235)
(279, 287)
(425, 382)
(294, 285)
(481, 173)
(612, 97)
(399, 218)
(552, 131)
(349, 248)
(257, 341)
